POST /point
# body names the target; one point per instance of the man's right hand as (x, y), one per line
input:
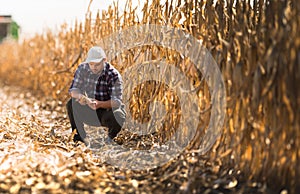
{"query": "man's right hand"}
(81, 99)
(84, 100)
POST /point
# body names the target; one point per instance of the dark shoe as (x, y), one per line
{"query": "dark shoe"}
(112, 133)
(77, 138)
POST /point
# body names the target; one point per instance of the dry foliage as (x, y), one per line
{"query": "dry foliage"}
(257, 48)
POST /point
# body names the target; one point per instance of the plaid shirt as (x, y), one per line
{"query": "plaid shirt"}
(104, 86)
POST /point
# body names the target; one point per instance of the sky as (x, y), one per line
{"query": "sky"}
(36, 16)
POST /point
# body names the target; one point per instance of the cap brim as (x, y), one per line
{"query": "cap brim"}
(94, 60)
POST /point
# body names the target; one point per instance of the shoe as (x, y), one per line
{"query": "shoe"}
(77, 138)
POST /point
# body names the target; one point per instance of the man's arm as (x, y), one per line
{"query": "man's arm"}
(78, 96)
(75, 89)
(75, 94)
(106, 104)
(103, 104)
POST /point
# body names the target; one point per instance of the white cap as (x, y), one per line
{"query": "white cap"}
(95, 54)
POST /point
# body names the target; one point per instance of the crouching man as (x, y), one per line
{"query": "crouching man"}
(96, 96)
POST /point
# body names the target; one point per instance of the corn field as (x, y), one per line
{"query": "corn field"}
(256, 45)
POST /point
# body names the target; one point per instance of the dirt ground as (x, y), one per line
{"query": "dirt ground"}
(37, 155)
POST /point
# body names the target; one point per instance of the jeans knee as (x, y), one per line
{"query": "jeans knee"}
(120, 114)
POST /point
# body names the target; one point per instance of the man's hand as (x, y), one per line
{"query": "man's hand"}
(81, 99)
(92, 104)
(84, 100)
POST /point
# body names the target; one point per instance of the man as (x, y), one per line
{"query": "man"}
(96, 96)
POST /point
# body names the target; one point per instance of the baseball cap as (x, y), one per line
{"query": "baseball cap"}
(95, 54)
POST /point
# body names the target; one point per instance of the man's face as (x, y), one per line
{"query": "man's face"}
(96, 67)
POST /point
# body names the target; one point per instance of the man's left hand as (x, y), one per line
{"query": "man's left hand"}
(92, 104)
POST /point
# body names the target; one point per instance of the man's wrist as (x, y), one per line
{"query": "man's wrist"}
(99, 104)
(80, 97)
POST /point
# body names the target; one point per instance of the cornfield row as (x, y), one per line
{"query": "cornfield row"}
(255, 43)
